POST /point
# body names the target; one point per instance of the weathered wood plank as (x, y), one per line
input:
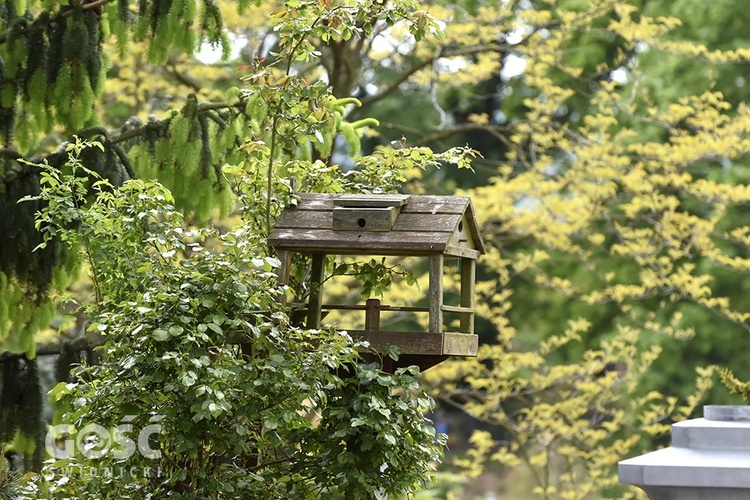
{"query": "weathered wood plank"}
(438, 205)
(304, 219)
(427, 222)
(460, 344)
(462, 235)
(283, 272)
(407, 342)
(456, 251)
(383, 307)
(364, 219)
(372, 314)
(313, 219)
(421, 343)
(457, 309)
(474, 228)
(416, 204)
(354, 243)
(371, 201)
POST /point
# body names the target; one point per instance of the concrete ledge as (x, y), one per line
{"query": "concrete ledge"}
(659, 493)
(682, 467)
(727, 413)
(703, 434)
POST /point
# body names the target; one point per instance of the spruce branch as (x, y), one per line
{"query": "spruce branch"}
(65, 11)
(157, 124)
(114, 139)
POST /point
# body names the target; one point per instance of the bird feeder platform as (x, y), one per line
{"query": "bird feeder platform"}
(432, 227)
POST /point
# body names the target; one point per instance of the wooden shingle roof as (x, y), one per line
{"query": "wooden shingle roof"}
(379, 225)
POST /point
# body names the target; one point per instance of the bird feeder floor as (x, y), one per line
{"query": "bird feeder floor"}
(421, 343)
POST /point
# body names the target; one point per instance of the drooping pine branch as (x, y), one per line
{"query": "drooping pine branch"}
(44, 19)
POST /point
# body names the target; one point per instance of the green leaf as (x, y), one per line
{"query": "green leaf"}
(389, 439)
(160, 334)
(270, 423)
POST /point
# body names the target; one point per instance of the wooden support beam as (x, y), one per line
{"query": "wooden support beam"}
(436, 293)
(468, 277)
(383, 307)
(316, 292)
(457, 309)
(372, 315)
(285, 256)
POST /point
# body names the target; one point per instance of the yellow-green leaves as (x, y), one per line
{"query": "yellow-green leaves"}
(616, 221)
(562, 421)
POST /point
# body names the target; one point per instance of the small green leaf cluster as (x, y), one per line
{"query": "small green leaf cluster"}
(306, 21)
(367, 434)
(387, 166)
(374, 275)
(197, 341)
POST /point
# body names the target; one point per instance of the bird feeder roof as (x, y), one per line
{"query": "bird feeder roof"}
(379, 225)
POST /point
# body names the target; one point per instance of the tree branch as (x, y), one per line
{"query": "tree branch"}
(442, 53)
(183, 78)
(60, 15)
(496, 130)
(77, 344)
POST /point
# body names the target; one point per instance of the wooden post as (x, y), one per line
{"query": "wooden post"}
(285, 256)
(436, 293)
(316, 292)
(372, 315)
(468, 277)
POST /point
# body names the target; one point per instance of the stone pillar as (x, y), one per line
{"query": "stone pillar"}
(709, 459)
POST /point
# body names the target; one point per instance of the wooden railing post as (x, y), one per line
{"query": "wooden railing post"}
(372, 315)
(436, 293)
(316, 292)
(468, 276)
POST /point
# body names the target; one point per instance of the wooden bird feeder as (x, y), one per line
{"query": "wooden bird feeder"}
(433, 227)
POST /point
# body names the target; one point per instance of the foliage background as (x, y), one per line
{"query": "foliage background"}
(611, 187)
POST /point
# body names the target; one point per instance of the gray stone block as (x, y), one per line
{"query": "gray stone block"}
(702, 434)
(709, 460)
